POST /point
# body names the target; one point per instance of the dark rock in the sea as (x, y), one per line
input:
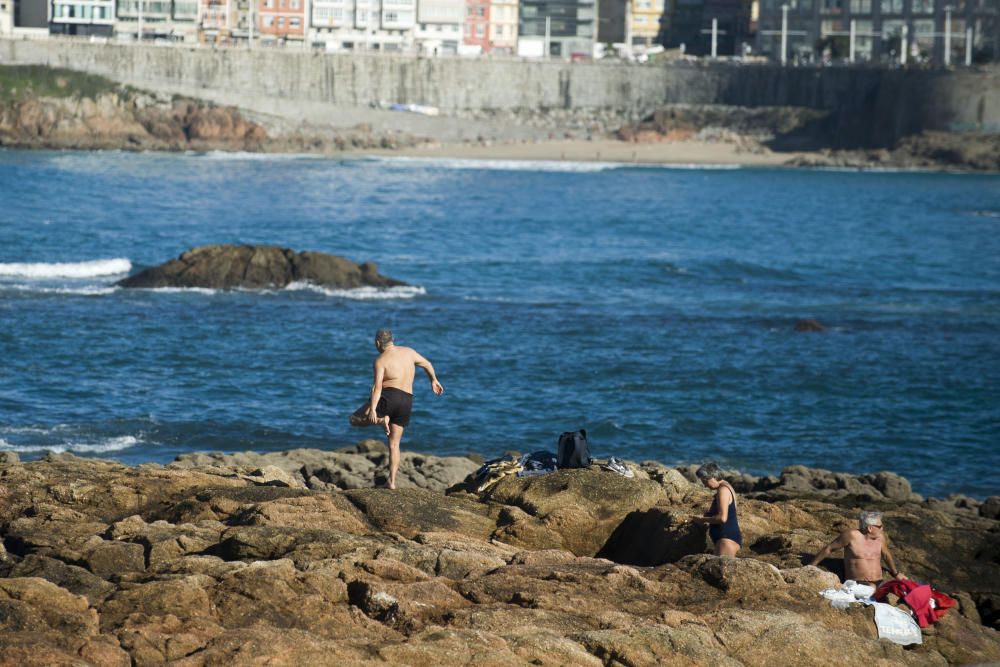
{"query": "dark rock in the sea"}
(225, 266)
(990, 508)
(809, 325)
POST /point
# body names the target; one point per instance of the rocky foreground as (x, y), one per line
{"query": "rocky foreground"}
(287, 559)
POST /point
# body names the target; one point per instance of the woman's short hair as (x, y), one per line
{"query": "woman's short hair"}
(869, 518)
(710, 470)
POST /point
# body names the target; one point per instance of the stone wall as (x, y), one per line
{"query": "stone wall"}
(870, 104)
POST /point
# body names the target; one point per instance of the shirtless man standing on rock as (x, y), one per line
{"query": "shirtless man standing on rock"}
(392, 393)
(864, 548)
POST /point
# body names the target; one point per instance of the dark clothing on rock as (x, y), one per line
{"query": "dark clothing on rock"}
(730, 529)
(395, 403)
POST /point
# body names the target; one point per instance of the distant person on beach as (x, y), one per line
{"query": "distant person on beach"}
(723, 526)
(391, 398)
(864, 549)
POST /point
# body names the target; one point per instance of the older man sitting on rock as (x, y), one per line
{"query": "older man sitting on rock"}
(864, 548)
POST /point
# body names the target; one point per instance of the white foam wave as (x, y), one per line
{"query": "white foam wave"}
(181, 290)
(248, 156)
(91, 269)
(499, 165)
(362, 293)
(89, 290)
(567, 166)
(100, 447)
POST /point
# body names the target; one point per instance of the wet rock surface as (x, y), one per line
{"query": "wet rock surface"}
(225, 266)
(292, 558)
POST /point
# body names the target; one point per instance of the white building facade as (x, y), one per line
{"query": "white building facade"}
(173, 20)
(82, 17)
(6, 17)
(345, 25)
(503, 26)
(439, 26)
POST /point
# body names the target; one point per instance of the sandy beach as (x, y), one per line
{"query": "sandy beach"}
(603, 150)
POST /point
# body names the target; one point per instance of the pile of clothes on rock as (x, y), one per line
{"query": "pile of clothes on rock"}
(574, 452)
(924, 606)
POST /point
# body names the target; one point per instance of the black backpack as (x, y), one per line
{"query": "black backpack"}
(574, 452)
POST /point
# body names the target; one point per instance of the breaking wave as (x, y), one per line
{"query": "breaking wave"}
(45, 270)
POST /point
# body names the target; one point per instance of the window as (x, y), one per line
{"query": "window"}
(281, 21)
(337, 12)
(294, 4)
(480, 11)
(269, 4)
(892, 6)
(479, 30)
(923, 7)
(268, 21)
(294, 22)
(391, 17)
(861, 6)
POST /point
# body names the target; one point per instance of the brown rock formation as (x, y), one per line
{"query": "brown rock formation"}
(127, 120)
(227, 267)
(253, 559)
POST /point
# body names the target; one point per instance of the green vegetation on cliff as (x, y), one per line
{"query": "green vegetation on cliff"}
(21, 82)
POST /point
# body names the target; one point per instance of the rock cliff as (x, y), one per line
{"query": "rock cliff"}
(224, 266)
(277, 559)
(43, 107)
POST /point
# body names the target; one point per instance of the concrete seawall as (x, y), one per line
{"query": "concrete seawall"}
(871, 106)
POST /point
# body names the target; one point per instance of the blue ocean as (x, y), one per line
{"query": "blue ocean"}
(653, 306)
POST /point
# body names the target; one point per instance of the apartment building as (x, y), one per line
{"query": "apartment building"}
(174, 20)
(216, 19)
(345, 24)
(556, 28)
(883, 29)
(280, 20)
(440, 26)
(82, 17)
(6, 17)
(502, 30)
(646, 24)
(477, 25)
(690, 24)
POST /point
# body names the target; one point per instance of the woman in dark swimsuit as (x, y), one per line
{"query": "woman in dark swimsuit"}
(723, 526)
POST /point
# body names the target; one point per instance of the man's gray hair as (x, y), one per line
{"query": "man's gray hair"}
(710, 470)
(383, 336)
(869, 518)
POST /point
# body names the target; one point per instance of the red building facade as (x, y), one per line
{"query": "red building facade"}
(477, 24)
(281, 19)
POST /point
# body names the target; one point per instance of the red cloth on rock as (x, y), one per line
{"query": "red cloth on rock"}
(918, 597)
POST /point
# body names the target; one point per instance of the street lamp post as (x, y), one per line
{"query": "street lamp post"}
(548, 35)
(139, 34)
(903, 46)
(947, 35)
(715, 38)
(968, 46)
(784, 34)
(250, 33)
(853, 36)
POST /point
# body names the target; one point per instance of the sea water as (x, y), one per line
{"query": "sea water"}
(653, 306)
